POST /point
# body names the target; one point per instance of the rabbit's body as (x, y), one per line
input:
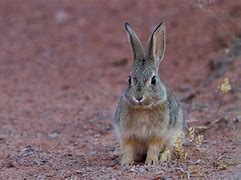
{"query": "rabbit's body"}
(148, 117)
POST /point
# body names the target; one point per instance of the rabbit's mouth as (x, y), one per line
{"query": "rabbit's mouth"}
(139, 104)
(146, 103)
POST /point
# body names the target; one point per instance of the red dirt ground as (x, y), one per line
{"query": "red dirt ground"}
(64, 65)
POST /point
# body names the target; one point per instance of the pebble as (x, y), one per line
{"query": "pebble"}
(238, 119)
(143, 169)
(53, 135)
(132, 170)
(40, 162)
(27, 151)
(198, 161)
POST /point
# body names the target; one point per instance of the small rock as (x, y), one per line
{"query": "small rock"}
(53, 134)
(198, 161)
(27, 151)
(143, 169)
(238, 119)
(39, 162)
(78, 171)
(110, 148)
(125, 168)
(41, 177)
(164, 178)
(132, 170)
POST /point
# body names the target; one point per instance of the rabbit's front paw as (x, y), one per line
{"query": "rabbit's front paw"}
(152, 160)
(127, 161)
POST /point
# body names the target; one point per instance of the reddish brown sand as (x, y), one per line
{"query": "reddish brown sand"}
(63, 65)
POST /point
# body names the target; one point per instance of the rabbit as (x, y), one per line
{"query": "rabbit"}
(148, 118)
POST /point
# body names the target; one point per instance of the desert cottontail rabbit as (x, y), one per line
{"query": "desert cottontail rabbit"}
(148, 118)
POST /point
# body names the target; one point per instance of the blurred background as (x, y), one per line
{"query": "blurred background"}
(64, 64)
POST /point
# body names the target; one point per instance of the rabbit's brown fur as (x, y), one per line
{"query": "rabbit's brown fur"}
(148, 117)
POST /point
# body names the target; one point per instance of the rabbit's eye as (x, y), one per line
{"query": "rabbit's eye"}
(153, 80)
(129, 80)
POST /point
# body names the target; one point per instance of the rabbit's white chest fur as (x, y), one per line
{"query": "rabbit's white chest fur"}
(144, 124)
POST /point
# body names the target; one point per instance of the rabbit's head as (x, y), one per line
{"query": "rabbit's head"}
(145, 88)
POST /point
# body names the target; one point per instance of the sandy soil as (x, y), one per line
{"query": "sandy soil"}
(64, 65)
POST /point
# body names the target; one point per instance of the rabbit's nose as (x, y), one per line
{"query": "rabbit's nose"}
(140, 99)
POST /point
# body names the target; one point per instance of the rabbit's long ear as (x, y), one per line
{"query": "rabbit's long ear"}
(157, 45)
(136, 45)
